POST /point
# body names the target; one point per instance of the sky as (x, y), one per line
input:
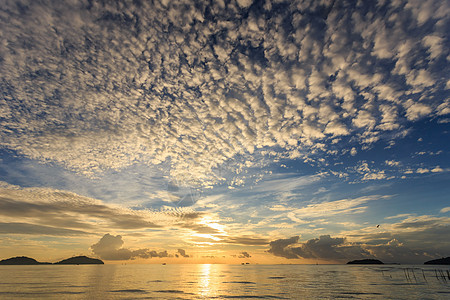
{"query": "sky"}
(225, 131)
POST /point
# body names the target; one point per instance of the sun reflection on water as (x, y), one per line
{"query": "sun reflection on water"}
(208, 285)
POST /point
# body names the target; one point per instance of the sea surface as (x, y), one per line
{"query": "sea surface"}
(224, 282)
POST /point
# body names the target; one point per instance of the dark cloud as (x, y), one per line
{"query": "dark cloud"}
(281, 247)
(244, 240)
(244, 254)
(338, 249)
(34, 229)
(56, 208)
(145, 253)
(326, 247)
(411, 240)
(109, 247)
(182, 253)
(44, 213)
(63, 209)
(394, 251)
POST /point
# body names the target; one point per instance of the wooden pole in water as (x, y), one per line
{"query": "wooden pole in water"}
(423, 273)
(443, 276)
(406, 275)
(414, 275)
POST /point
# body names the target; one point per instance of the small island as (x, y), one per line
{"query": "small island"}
(365, 262)
(439, 261)
(21, 260)
(78, 260)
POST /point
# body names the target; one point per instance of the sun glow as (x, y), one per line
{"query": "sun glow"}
(210, 222)
(207, 236)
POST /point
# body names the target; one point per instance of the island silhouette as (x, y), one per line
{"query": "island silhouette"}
(439, 261)
(22, 260)
(368, 261)
(76, 260)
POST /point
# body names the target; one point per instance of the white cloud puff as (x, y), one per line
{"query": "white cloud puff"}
(109, 247)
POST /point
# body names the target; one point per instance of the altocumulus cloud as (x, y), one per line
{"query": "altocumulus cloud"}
(101, 85)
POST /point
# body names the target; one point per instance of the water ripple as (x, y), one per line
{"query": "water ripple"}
(241, 282)
(129, 291)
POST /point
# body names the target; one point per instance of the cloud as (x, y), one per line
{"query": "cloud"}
(182, 253)
(66, 209)
(281, 248)
(395, 251)
(324, 247)
(437, 169)
(420, 237)
(244, 254)
(392, 163)
(55, 212)
(109, 247)
(279, 207)
(422, 222)
(34, 229)
(444, 210)
(94, 87)
(368, 173)
(245, 240)
(398, 216)
(416, 110)
(340, 250)
(343, 206)
(422, 170)
(286, 184)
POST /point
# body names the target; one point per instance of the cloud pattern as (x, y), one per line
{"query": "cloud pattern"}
(97, 85)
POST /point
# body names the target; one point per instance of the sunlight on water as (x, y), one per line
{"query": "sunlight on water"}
(224, 282)
(205, 287)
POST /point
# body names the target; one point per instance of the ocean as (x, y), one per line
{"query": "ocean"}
(225, 282)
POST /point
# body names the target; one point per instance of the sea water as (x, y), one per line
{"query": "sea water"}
(224, 282)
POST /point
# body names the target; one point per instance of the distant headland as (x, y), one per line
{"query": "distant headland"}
(439, 261)
(365, 262)
(77, 260)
